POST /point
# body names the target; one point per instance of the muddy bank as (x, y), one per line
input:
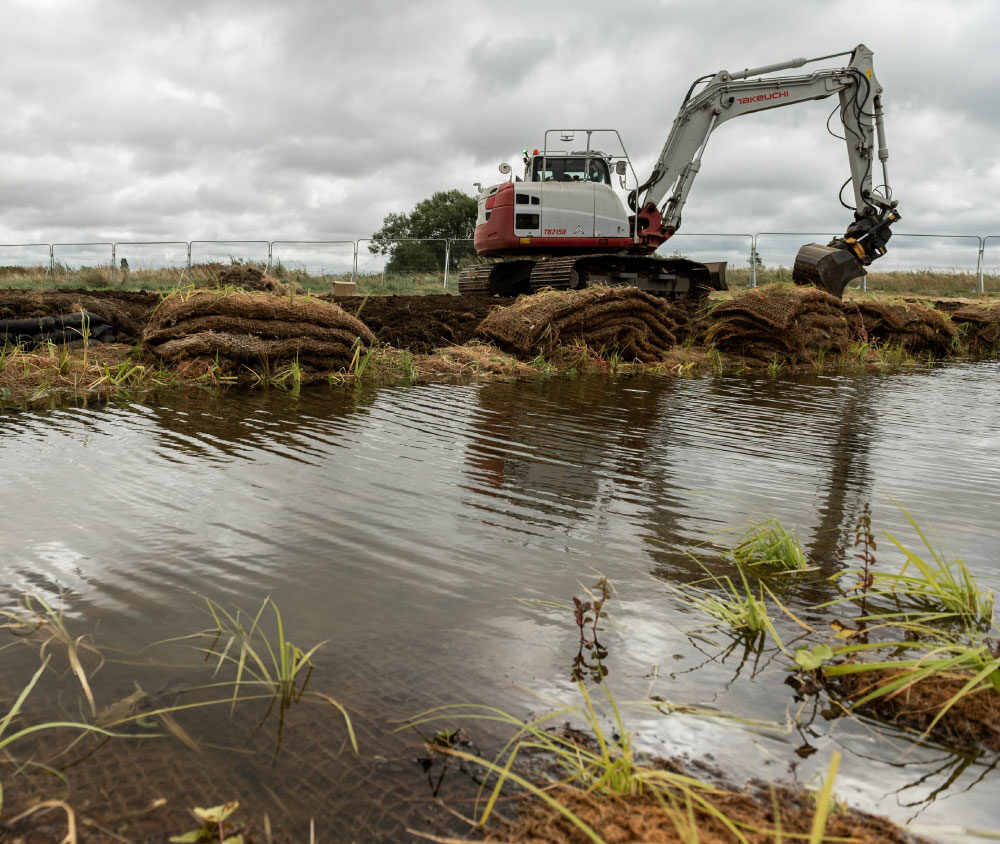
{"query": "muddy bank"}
(756, 812)
(967, 720)
(621, 331)
(127, 312)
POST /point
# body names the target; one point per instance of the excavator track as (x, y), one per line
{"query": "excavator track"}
(475, 279)
(676, 279)
(506, 278)
(559, 274)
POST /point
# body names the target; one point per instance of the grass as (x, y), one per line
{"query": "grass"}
(7, 739)
(768, 543)
(606, 768)
(929, 587)
(910, 282)
(738, 609)
(170, 278)
(37, 619)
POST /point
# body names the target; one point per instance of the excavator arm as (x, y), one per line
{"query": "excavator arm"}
(659, 201)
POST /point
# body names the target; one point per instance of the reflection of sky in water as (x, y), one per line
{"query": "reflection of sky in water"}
(422, 529)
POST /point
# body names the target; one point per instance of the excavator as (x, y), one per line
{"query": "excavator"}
(564, 226)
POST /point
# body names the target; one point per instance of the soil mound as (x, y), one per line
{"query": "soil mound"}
(915, 328)
(623, 319)
(675, 820)
(240, 328)
(973, 719)
(978, 325)
(125, 312)
(248, 277)
(421, 323)
(790, 324)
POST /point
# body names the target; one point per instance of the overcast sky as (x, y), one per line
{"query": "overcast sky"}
(311, 120)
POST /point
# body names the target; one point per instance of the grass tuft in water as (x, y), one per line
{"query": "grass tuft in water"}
(768, 543)
(38, 619)
(605, 768)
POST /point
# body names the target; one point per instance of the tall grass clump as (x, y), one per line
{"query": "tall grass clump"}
(261, 658)
(737, 608)
(768, 543)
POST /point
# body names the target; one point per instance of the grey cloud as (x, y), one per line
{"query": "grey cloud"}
(313, 120)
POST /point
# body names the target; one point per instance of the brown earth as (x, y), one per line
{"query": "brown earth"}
(973, 720)
(644, 818)
(421, 323)
(127, 312)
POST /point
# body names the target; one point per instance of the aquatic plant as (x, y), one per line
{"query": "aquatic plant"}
(241, 640)
(768, 543)
(8, 739)
(213, 825)
(359, 362)
(741, 610)
(606, 767)
(929, 587)
(35, 618)
(587, 615)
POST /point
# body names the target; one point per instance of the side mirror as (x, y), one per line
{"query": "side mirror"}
(504, 169)
(621, 167)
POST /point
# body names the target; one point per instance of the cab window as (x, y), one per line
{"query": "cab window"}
(570, 169)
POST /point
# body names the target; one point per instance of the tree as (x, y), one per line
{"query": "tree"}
(415, 241)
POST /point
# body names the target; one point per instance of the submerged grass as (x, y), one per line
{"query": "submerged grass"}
(37, 619)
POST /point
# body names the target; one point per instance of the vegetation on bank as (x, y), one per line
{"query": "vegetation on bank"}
(773, 331)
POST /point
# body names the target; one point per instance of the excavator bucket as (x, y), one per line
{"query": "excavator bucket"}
(827, 267)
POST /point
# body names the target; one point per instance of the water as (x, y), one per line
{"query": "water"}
(425, 533)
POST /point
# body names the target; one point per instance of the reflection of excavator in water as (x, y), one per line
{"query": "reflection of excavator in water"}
(568, 227)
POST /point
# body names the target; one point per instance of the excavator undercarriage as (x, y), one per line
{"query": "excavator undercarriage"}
(676, 279)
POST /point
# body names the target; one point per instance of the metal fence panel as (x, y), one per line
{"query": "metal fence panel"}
(24, 255)
(78, 256)
(231, 252)
(408, 266)
(149, 265)
(313, 264)
(734, 249)
(991, 264)
(935, 264)
(777, 250)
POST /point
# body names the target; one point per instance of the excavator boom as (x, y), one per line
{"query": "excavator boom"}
(659, 201)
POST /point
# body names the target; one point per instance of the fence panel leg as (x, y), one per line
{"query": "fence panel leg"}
(980, 281)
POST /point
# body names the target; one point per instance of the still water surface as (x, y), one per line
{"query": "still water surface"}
(425, 533)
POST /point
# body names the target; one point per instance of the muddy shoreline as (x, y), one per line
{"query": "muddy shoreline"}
(446, 337)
